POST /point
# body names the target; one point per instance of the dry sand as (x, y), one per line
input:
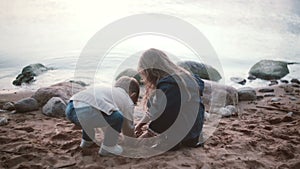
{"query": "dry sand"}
(257, 138)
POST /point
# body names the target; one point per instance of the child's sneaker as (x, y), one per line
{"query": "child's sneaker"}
(86, 144)
(110, 150)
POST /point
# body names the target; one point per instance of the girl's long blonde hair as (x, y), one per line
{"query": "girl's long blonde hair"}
(154, 65)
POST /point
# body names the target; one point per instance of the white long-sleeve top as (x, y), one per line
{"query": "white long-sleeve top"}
(107, 100)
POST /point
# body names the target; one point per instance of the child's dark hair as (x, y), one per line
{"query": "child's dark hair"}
(129, 84)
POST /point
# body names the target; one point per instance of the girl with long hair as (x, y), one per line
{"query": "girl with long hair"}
(173, 98)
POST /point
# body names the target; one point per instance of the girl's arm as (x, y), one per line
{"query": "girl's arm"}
(141, 123)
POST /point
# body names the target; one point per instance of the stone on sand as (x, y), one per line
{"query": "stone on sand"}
(273, 82)
(295, 81)
(8, 106)
(26, 105)
(246, 94)
(266, 90)
(55, 107)
(3, 121)
(219, 95)
(275, 99)
(202, 70)
(269, 69)
(64, 90)
(2, 102)
(227, 111)
(289, 114)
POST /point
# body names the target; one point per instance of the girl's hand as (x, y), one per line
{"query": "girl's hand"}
(138, 129)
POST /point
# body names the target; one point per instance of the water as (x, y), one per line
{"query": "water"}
(54, 32)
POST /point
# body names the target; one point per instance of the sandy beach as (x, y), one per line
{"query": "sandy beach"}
(263, 135)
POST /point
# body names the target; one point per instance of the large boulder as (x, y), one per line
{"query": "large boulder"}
(26, 105)
(217, 95)
(29, 72)
(64, 90)
(269, 69)
(201, 69)
(55, 107)
(130, 73)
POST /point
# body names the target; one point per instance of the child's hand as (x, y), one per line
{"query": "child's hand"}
(138, 129)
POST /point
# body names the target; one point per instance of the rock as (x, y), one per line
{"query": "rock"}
(287, 118)
(259, 97)
(274, 120)
(273, 82)
(130, 73)
(3, 111)
(29, 72)
(238, 80)
(64, 90)
(55, 107)
(293, 98)
(3, 121)
(224, 112)
(246, 94)
(2, 102)
(202, 70)
(295, 81)
(269, 69)
(275, 99)
(269, 95)
(232, 109)
(216, 95)
(284, 81)
(206, 115)
(251, 77)
(266, 90)
(26, 105)
(289, 114)
(8, 106)
(227, 111)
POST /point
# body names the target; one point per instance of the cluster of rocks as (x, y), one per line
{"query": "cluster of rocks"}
(267, 70)
(52, 99)
(219, 96)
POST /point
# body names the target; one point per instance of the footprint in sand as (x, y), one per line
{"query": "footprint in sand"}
(61, 137)
(16, 160)
(26, 128)
(70, 145)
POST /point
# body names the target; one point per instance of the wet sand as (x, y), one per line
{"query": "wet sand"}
(257, 138)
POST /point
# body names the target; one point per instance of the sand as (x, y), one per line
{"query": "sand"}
(256, 138)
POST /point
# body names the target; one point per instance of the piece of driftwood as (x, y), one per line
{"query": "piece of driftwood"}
(277, 108)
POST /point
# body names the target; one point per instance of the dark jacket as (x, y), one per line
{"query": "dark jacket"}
(178, 105)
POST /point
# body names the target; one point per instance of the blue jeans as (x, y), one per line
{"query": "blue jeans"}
(89, 118)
